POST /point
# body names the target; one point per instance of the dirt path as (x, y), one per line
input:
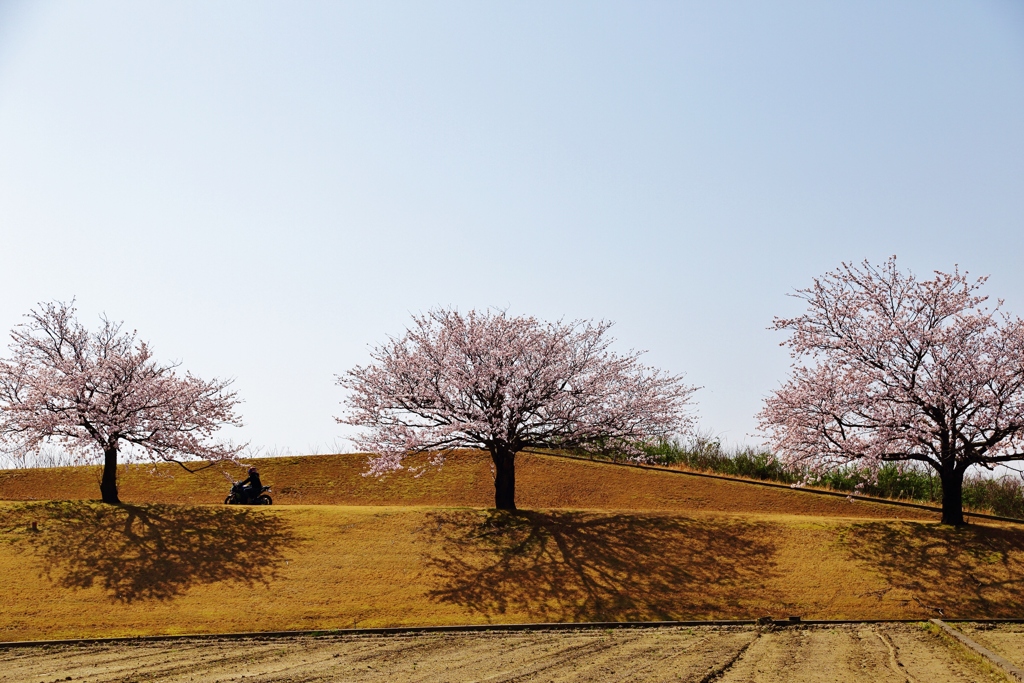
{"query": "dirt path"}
(1005, 639)
(813, 654)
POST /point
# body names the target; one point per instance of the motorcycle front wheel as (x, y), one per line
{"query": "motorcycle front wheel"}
(229, 500)
(264, 499)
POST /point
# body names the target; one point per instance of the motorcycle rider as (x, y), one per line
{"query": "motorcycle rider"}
(252, 486)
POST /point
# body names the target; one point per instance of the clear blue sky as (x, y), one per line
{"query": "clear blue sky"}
(264, 189)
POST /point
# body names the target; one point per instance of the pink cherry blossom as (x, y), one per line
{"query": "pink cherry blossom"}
(94, 392)
(503, 383)
(891, 368)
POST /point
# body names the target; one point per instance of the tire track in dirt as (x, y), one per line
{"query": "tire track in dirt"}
(929, 658)
(798, 654)
(860, 652)
(894, 657)
(670, 657)
(644, 656)
(445, 658)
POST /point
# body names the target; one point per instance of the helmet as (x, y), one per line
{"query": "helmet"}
(252, 470)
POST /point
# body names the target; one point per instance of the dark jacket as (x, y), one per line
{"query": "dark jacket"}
(254, 482)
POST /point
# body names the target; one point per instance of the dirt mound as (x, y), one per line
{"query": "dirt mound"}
(543, 482)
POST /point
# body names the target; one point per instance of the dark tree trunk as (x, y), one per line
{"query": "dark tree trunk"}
(504, 478)
(108, 484)
(952, 479)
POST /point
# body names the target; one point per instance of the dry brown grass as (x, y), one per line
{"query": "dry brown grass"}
(91, 570)
(465, 480)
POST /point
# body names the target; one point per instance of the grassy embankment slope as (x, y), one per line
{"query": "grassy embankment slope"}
(599, 542)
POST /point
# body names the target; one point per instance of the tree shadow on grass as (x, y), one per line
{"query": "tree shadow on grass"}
(574, 566)
(155, 552)
(972, 571)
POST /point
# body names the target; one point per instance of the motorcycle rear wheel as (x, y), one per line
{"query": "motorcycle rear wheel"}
(264, 499)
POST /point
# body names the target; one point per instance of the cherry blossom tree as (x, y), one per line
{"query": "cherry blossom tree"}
(890, 368)
(97, 392)
(504, 384)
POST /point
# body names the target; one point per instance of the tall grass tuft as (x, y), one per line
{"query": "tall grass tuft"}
(901, 481)
(705, 454)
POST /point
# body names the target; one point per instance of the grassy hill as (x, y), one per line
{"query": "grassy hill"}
(597, 543)
(542, 482)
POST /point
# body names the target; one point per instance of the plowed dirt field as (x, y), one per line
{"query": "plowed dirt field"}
(873, 653)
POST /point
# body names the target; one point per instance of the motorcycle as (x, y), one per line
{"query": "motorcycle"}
(238, 496)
